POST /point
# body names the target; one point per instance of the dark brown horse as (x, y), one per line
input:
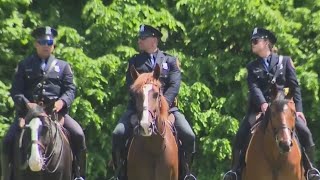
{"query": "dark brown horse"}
(153, 153)
(42, 151)
(273, 152)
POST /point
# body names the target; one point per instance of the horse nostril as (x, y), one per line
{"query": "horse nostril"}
(285, 146)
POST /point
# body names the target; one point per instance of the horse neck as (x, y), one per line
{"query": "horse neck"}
(55, 141)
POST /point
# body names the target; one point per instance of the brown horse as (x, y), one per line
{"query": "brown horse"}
(273, 152)
(153, 153)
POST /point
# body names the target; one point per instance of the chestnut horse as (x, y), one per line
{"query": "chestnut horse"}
(273, 152)
(42, 151)
(153, 153)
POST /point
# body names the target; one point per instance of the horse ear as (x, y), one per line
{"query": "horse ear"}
(134, 73)
(156, 71)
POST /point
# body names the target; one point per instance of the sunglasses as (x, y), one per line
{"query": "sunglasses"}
(44, 42)
(256, 40)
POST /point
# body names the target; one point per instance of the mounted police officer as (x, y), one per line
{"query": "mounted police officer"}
(261, 73)
(42, 78)
(170, 78)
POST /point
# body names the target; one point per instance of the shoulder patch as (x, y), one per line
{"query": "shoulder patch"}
(291, 63)
(178, 63)
(69, 67)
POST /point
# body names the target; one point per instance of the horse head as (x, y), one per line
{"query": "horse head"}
(151, 106)
(282, 117)
(40, 134)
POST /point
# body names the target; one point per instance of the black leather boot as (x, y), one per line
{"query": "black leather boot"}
(6, 169)
(119, 166)
(188, 160)
(81, 165)
(311, 172)
(234, 173)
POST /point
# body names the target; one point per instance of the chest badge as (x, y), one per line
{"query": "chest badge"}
(56, 68)
(165, 66)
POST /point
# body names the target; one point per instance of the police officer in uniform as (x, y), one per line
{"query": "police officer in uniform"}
(260, 74)
(170, 78)
(29, 87)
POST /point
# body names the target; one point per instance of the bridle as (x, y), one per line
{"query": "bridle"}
(48, 153)
(154, 115)
(276, 130)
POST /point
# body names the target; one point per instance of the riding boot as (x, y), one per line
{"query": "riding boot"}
(119, 166)
(312, 173)
(187, 166)
(235, 171)
(6, 169)
(81, 165)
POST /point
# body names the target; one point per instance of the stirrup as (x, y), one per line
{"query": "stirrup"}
(190, 177)
(78, 178)
(232, 173)
(313, 171)
(114, 178)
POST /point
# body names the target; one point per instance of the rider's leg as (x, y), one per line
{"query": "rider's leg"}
(306, 140)
(240, 143)
(78, 143)
(7, 151)
(187, 136)
(120, 135)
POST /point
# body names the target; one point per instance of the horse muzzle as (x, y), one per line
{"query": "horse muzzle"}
(35, 160)
(145, 131)
(285, 146)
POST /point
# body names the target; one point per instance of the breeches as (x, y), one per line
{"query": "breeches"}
(78, 142)
(185, 132)
(304, 134)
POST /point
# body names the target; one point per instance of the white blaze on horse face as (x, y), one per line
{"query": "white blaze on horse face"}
(144, 122)
(35, 161)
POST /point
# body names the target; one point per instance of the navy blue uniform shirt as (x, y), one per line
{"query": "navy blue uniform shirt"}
(259, 77)
(170, 76)
(58, 84)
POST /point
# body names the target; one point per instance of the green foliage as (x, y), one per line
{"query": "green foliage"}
(210, 38)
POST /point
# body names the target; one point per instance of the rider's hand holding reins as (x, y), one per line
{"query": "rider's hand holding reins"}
(58, 105)
(264, 107)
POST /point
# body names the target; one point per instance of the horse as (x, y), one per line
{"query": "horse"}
(42, 150)
(153, 152)
(273, 152)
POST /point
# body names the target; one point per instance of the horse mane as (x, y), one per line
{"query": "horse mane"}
(137, 88)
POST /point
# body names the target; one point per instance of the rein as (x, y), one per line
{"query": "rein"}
(48, 159)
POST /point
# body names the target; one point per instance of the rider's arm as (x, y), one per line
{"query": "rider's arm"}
(18, 87)
(174, 80)
(293, 84)
(254, 91)
(129, 80)
(68, 87)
